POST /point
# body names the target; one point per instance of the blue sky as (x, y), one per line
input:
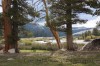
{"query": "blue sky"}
(91, 23)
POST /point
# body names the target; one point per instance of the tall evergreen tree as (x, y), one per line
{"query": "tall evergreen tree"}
(6, 4)
(95, 4)
(1, 27)
(65, 12)
(95, 32)
(18, 13)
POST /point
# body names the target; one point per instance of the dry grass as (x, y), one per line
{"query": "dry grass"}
(59, 58)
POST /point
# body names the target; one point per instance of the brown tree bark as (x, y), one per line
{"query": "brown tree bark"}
(69, 37)
(52, 28)
(15, 37)
(6, 23)
(15, 27)
(56, 35)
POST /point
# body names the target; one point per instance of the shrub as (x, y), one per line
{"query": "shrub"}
(93, 37)
(25, 47)
(26, 42)
(44, 47)
(88, 38)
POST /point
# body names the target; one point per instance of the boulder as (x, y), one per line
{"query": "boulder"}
(11, 50)
(94, 45)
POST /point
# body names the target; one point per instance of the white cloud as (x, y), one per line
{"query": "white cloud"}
(89, 24)
(0, 9)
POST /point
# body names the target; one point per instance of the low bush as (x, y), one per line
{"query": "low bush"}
(44, 47)
(28, 45)
(26, 42)
(93, 37)
(88, 38)
(25, 47)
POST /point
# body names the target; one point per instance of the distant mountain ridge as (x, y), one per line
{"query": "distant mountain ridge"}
(43, 31)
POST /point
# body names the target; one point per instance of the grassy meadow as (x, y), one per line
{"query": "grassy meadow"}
(47, 59)
(47, 54)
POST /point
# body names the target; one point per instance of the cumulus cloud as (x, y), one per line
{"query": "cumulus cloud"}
(0, 9)
(89, 24)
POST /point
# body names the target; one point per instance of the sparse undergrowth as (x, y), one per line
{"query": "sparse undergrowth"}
(59, 58)
(38, 55)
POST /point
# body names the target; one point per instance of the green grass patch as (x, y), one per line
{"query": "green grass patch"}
(42, 59)
(34, 51)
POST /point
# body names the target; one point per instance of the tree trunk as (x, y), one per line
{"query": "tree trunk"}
(15, 27)
(54, 32)
(69, 37)
(70, 44)
(6, 23)
(15, 36)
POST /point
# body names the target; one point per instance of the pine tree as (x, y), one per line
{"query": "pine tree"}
(95, 32)
(15, 13)
(6, 4)
(65, 12)
(95, 4)
(1, 24)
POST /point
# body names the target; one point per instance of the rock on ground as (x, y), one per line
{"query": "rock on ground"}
(11, 50)
(92, 46)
